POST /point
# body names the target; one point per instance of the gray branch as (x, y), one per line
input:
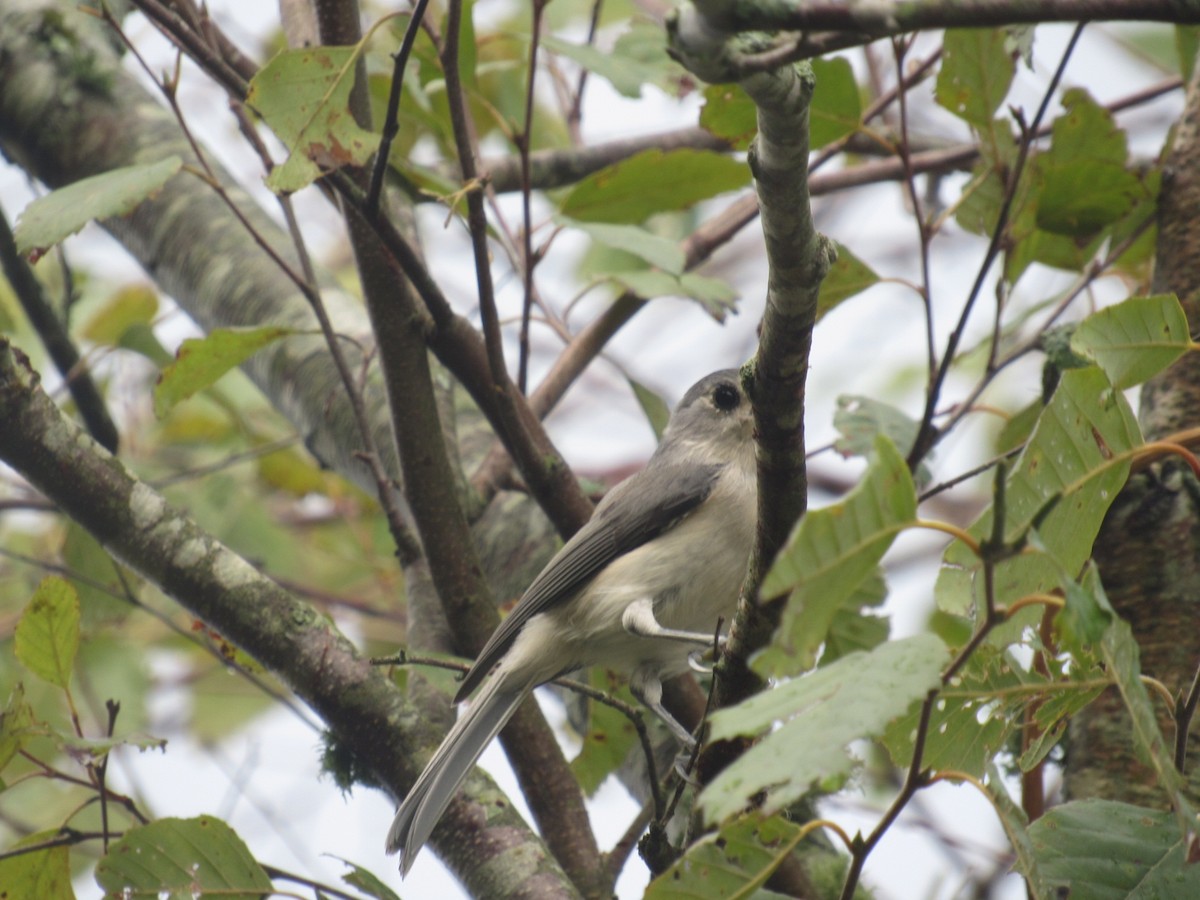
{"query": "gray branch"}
(360, 705)
(821, 28)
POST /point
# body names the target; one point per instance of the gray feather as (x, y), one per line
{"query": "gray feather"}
(432, 792)
(636, 511)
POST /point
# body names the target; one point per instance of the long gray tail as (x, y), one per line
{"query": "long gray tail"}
(420, 810)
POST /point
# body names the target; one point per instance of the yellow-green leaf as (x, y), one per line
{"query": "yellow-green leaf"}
(47, 637)
(201, 361)
(304, 95)
(61, 213)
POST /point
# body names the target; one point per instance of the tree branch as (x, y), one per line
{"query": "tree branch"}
(362, 708)
(826, 27)
(57, 341)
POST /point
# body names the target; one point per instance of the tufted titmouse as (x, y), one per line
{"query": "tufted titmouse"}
(636, 589)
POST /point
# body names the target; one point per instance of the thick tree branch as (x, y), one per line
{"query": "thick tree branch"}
(361, 707)
(798, 258)
(1148, 549)
(826, 27)
(430, 485)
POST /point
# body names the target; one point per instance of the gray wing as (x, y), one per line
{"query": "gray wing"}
(636, 511)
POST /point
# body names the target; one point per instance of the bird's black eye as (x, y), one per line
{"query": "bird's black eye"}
(726, 396)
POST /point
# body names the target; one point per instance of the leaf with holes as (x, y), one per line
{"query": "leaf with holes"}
(977, 70)
(1075, 462)
(821, 714)
(728, 862)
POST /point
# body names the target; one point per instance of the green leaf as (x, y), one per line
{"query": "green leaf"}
(626, 79)
(655, 408)
(42, 874)
(1054, 714)
(1082, 621)
(660, 252)
(1104, 850)
(727, 862)
(182, 857)
(468, 48)
(717, 297)
(47, 637)
(836, 109)
(979, 209)
(201, 361)
(1134, 340)
(977, 71)
(1083, 183)
(15, 721)
(632, 190)
(294, 472)
(1187, 44)
(98, 580)
(61, 213)
(636, 59)
(1121, 655)
(304, 95)
(859, 420)
(366, 881)
(852, 628)
(832, 551)
(729, 113)
(221, 705)
(822, 713)
(140, 338)
(1017, 429)
(134, 303)
(1016, 827)
(968, 725)
(1079, 453)
(86, 750)
(609, 737)
(848, 276)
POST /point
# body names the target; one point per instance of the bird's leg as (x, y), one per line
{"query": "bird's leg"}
(647, 688)
(639, 619)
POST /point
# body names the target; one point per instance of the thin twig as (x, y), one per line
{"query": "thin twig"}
(524, 140)
(1184, 712)
(391, 123)
(927, 434)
